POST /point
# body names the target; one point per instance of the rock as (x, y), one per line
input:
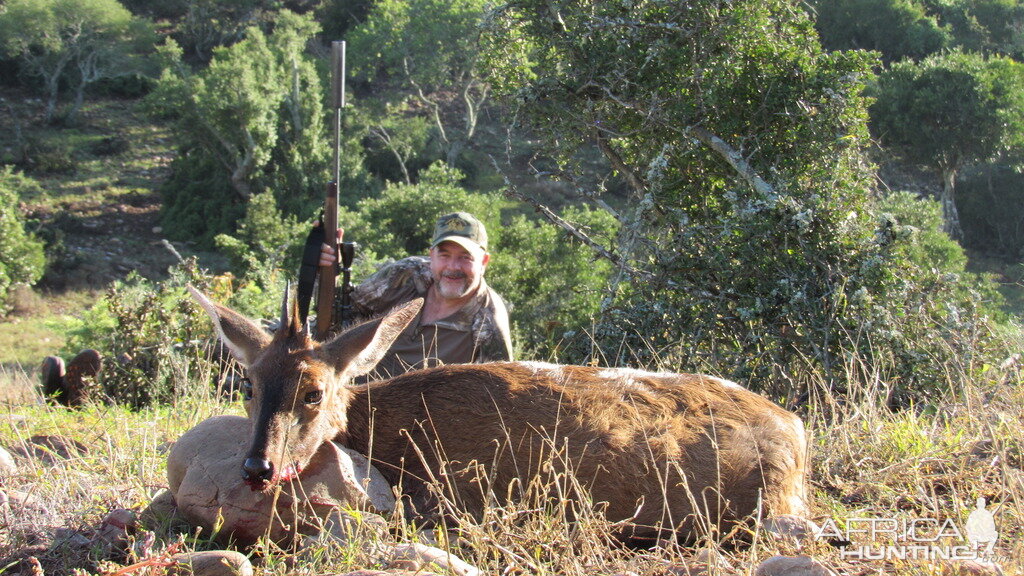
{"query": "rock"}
(790, 528)
(51, 375)
(7, 465)
(792, 566)
(51, 449)
(66, 538)
(210, 563)
(24, 502)
(80, 379)
(112, 533)
(204, 475)
(416, 557)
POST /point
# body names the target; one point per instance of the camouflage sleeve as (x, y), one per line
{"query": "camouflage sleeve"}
(491, 332)
(393, 284)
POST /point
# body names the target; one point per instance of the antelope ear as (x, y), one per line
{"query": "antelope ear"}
(357, 350)
(242, 336)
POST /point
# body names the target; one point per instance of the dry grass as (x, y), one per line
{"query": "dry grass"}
(867, 463)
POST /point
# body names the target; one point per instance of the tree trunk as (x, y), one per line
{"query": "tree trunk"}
(951, 218)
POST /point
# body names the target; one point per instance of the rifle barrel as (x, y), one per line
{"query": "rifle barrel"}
(328, 274)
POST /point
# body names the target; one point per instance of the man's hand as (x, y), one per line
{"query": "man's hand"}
(329, 256)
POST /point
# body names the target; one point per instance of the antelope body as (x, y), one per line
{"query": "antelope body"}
(663, 451)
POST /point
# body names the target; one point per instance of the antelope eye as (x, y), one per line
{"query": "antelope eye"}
(314, 397)
(246, 389)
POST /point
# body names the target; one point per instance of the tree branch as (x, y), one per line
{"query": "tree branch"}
(512, 192)
(733, 157)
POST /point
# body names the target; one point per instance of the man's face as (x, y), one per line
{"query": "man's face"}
(457, 271)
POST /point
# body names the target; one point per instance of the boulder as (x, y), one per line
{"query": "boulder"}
(205, 479)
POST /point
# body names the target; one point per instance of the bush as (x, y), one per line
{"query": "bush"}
(22, 260)
(155, 338)
(991, 204)
(266, 242)
(48, 157)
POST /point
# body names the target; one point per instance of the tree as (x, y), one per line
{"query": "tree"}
(436, 54)
(898, 29)
(21, 255)
(253, 120)
(949, 111)
(748, 243)
(81, 41)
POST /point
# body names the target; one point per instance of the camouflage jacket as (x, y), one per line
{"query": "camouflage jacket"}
(477, 333)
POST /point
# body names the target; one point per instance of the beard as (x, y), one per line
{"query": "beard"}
(452, 284)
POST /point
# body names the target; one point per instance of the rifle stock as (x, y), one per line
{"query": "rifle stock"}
(327, 279)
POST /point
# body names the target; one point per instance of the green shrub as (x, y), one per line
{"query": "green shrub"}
(266, 243)
(991, 204)
(22, 260)
(155, 339)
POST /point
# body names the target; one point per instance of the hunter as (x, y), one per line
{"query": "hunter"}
(462, 321)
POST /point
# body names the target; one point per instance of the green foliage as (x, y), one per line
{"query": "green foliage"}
(400, 222)
(253, 120)
(208, 24)
(266, 240)
(915, 29)
(898, 29)
(398, 39)
(340, 16)
(555, 284)
(398, 45)
(154, 337)
(199, 202)
(748, 243)
(988, 26)
(950, 109)
(399, 144)
(78, 41)
(917, 224)
(21, 256)
(991, 204)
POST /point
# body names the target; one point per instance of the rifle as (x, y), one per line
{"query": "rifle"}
(327, 277)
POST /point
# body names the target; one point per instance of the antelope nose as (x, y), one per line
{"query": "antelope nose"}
(258, 469)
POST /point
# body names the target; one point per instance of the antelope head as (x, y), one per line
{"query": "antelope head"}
(295, 388)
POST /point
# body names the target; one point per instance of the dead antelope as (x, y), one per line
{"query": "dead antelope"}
(656, 449)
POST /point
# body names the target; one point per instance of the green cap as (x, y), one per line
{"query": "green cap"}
(461, 228)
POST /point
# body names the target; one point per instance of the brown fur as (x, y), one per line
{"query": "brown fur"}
(660, 450)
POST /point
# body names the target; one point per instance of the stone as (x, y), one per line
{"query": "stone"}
(204, 475)
(416, 557)
(112, 533)
(210, 563)
(80, 379)
(791, 529)
(50, 449)
(51, 375)
(7, 465)
(792, 566)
